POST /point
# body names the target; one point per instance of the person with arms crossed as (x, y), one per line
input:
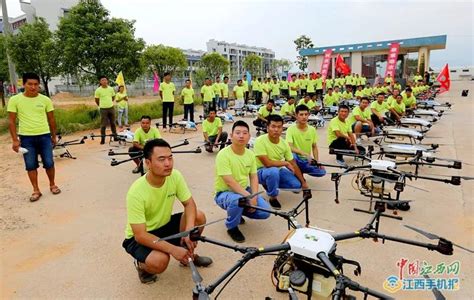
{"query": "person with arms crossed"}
(104, 98)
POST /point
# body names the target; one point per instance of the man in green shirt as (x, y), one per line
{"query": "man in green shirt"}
(284, 87)
(122, 106)
(245, 84)
(287, 111)
(217, 93)
(239, 94)
(397, 109)
(275, 89)
(37, 131)
(225, 94)
(293, 86)
(361, 118)
(275, 163)
(409, 99)
(167, 90)
(263, 113)
(212, 131)
(379, 108)
(150, 202)
(302, 139)
(142, 135)
(257, 90)
(104, 98)
(340, 134)
(236, 177)
(207, 95)
(319, 86)
(187, 95)
(330, 99)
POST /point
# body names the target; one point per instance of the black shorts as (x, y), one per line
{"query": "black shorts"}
(140, 252)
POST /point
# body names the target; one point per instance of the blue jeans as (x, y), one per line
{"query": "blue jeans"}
(122, 112)
(216, 102)
(37, 145)
(223, 103)
(230, 202)
(273, 178)
(307, 168)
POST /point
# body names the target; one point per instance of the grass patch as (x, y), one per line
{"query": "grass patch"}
(83, 117)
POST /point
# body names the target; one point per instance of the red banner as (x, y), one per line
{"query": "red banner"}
(341, 66)
(325, 64)
(444, 80)
(392, 60)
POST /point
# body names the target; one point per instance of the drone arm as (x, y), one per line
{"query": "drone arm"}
(197, 150)
(185, 142)
(346, 236)
(116, 163)
(112, 153)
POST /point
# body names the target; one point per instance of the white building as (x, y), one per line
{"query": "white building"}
(236, 53)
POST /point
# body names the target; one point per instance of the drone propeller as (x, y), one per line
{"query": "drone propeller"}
(460, 177)
(452, 160)
(187, 232)
(433, 236)
(197, 279)
(382, 200)
(406, 184)
(436, 292)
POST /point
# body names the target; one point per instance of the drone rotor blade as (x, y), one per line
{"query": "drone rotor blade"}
(382, 200)
(436, 292)
(210, 223)
(203, 296)
(463, 248)
(187, 232)
(197, 278)
(429, 235)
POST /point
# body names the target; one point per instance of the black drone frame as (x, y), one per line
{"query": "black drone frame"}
(112, 138)
(64, 144)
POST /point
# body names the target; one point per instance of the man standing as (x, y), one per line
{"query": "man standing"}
(217, 93)
(284, 87)
(275, 163)
(187, 95)
(302, 140)
(236, 177)
(207, 95)
(257, 90)
(142, 135)
(104, 98)
(245, 84)
(167, 90)
(340, 134)
(37, 131)
(293, 86)
(239, 94)
(149, 215)
(225, 93)
(212, 131)
(275, 88)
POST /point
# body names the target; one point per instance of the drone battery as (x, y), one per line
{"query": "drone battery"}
(299, 281)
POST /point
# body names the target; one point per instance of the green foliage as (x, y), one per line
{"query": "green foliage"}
(34, 49)
(4, 76)
(93, 44)
(281, 65)
(302, 42)
(253, 64)
(163, 59)
(214, 64)
(199, 76)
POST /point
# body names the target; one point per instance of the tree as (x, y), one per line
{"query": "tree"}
(4, 75)
(93, 44)
(35, 50)
(214, 64)
(199, 77)
(253, 64)
(281, 65)
(302, 42)
(164, 59)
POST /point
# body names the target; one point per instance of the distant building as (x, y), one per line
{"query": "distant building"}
(193, 57)
(236, 53)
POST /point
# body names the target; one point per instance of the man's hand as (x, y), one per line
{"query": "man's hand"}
(190, 245)
(181, 255)
(253, 202)
(356, 149)
(381, 119)
(290, 167)
(54, 140)
(16, 146)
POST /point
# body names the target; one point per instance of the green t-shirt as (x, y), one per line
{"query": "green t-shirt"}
(239, 92)
(188, 94)
(120, 102)
(256, 86)
(287, 109)
(319, 83)
(409, 101)
(275, 87)
(265, 87)
(217, 89)
(142, 137)
(329, 83)
(367, 92)
(278, 152)
(153, 206)
(331, 100)
(302, 140)
(390, 100)
(212, 128)
(346, 95)
(293, 84)
(310, 88)
(239, 166)
(263, 111)
(348, 79)
(380, 108)
(399, 108)
(310, 104)
(303, 83)
(245, 85)
(337, 125)
(283, 84)
(365, 114)
(167, 89)
(105, 96)
(31, 113)
(208, 92)
(359, 93)
(225, 89)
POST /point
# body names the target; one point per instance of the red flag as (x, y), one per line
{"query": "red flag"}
(341, 66)
(392, 60)
(443, 79)
(325, 64)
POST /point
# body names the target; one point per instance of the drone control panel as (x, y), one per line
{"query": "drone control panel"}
(308, 242)
(413, 121)
(403, 131)
(382, 165)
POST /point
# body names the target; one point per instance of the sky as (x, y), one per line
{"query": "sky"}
(275, 24)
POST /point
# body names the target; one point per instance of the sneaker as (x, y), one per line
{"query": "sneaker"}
(275, 203)
(236, 235)
(202, 261)
(143, 275)
(341, 162)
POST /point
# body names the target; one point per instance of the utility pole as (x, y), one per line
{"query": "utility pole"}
(7, 30)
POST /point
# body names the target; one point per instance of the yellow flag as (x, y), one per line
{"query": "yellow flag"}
(121, 81)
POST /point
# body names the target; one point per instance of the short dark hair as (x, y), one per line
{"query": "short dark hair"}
(343, 106)
(330, 88)
(166, 74)
(274, 118)
(145, 117)
(218, 77)
(291, 97)
(293, 75)
(301, 107)
(102, 76)
(381, 93)
(212, 109)
(207, 78)
(240, 123)
(271, 101)
(226, 77)
(239, 80)
(408, 90)
(259, 78)
(30, 75)
(151, 144)
(364, 98)
(283, 77)
(188, 80)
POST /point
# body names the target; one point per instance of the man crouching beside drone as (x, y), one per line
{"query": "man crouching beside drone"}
(236, 176)
(149, 215)
(140, 137)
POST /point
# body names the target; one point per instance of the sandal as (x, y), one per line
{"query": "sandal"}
(35, 196)
(54, 189)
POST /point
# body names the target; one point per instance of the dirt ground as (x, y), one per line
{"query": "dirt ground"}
(69, 245)
(65, 100)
